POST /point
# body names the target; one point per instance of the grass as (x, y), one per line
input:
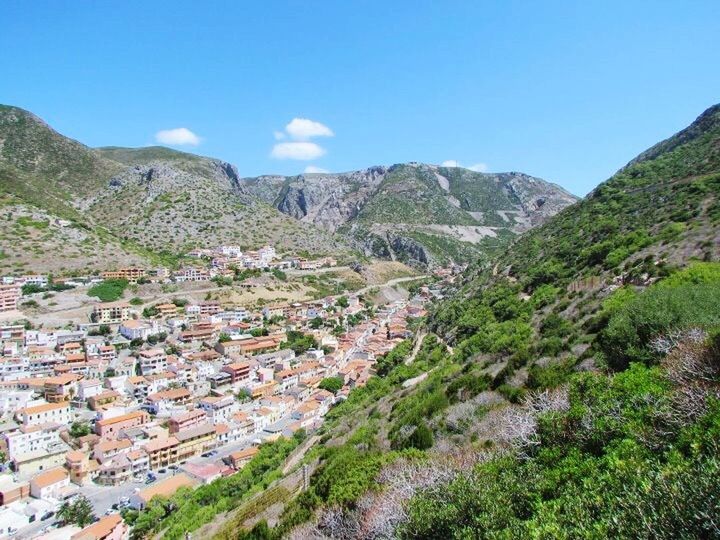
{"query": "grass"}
(109, 290)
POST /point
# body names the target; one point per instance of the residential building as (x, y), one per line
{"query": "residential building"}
(49, 484)
(111, 527)
(111, 312)
(152, 361)
(9, 297)
(110, 428)
(48, 413)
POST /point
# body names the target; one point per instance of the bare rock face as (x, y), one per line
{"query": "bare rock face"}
(408, 211)
(327, 200)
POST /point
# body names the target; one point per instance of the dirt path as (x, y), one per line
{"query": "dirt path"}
(418, 343)
(390, 283)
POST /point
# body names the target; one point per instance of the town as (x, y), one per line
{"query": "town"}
(135, 403)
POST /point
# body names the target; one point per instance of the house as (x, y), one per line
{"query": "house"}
(152, 361)
(164, 488)
(194, 441)
(204, 473)
(166, 310)
(307, 414)
(110, 428)
(162, 452)
(89, 388)
(167, 399)
(32, 439)
(102, 399)
(248, 346)
(219, 409)
(110, 527)
(241, 458)
(49, 484)
(9, 297)
(134, 329)
(49, 413)
(111, 312)
(11, 491)
(106, 450)
(238, 371)
(79, 468)
(187, 420)
(131, 273)
(61, 388)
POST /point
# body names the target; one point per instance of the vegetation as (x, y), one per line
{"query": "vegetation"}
(331, 384)
(299, 342)
(79, 429)
(78, 512)
(109, 290)
(188, 510)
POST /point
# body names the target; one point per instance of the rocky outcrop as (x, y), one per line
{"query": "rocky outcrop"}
(378, 208)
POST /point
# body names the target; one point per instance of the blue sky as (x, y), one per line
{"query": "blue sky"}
(568, 91)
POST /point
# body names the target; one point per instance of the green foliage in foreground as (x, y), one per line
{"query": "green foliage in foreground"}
(609, 467)
(188, 510)
(79, 512)
(690, 298)
(109, 290)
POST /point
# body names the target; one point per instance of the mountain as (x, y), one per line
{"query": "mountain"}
(568, 388)
(104, 207)
(417, 213)
(72, 208)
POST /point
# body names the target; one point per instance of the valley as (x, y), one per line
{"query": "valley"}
(413, 351)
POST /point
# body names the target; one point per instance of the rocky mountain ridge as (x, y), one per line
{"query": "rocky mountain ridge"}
(419, 213)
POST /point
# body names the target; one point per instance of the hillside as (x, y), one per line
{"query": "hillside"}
(102, 208)
(419, 214)
(571, 387)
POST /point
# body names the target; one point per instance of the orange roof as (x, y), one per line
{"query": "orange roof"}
(121, 418)
(247, 453)
(161, 444)
(44, 408)
(167, 487)
(48, 478)
(100, 529)
(75, 455)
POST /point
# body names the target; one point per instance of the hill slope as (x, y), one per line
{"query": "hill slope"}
(417, 213)
(126, 205)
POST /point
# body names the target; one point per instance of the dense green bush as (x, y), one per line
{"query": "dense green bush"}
(603, 468)
(660, 309)
(109, 290)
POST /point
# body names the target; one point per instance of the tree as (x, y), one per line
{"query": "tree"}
(244, 395)
(331, 384)
(224, 336)
(299, 342)
(316, 323)
(342, 302)
(79, 512)
(79, 429)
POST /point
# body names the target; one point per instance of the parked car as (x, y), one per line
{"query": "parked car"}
(162, 471)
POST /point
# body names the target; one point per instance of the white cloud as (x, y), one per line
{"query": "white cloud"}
(302, 129)
(312, 169)
(177, 137)
(279, 135)
(304, 151)
(477, 167)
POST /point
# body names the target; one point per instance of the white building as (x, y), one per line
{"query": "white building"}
(47, 413)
